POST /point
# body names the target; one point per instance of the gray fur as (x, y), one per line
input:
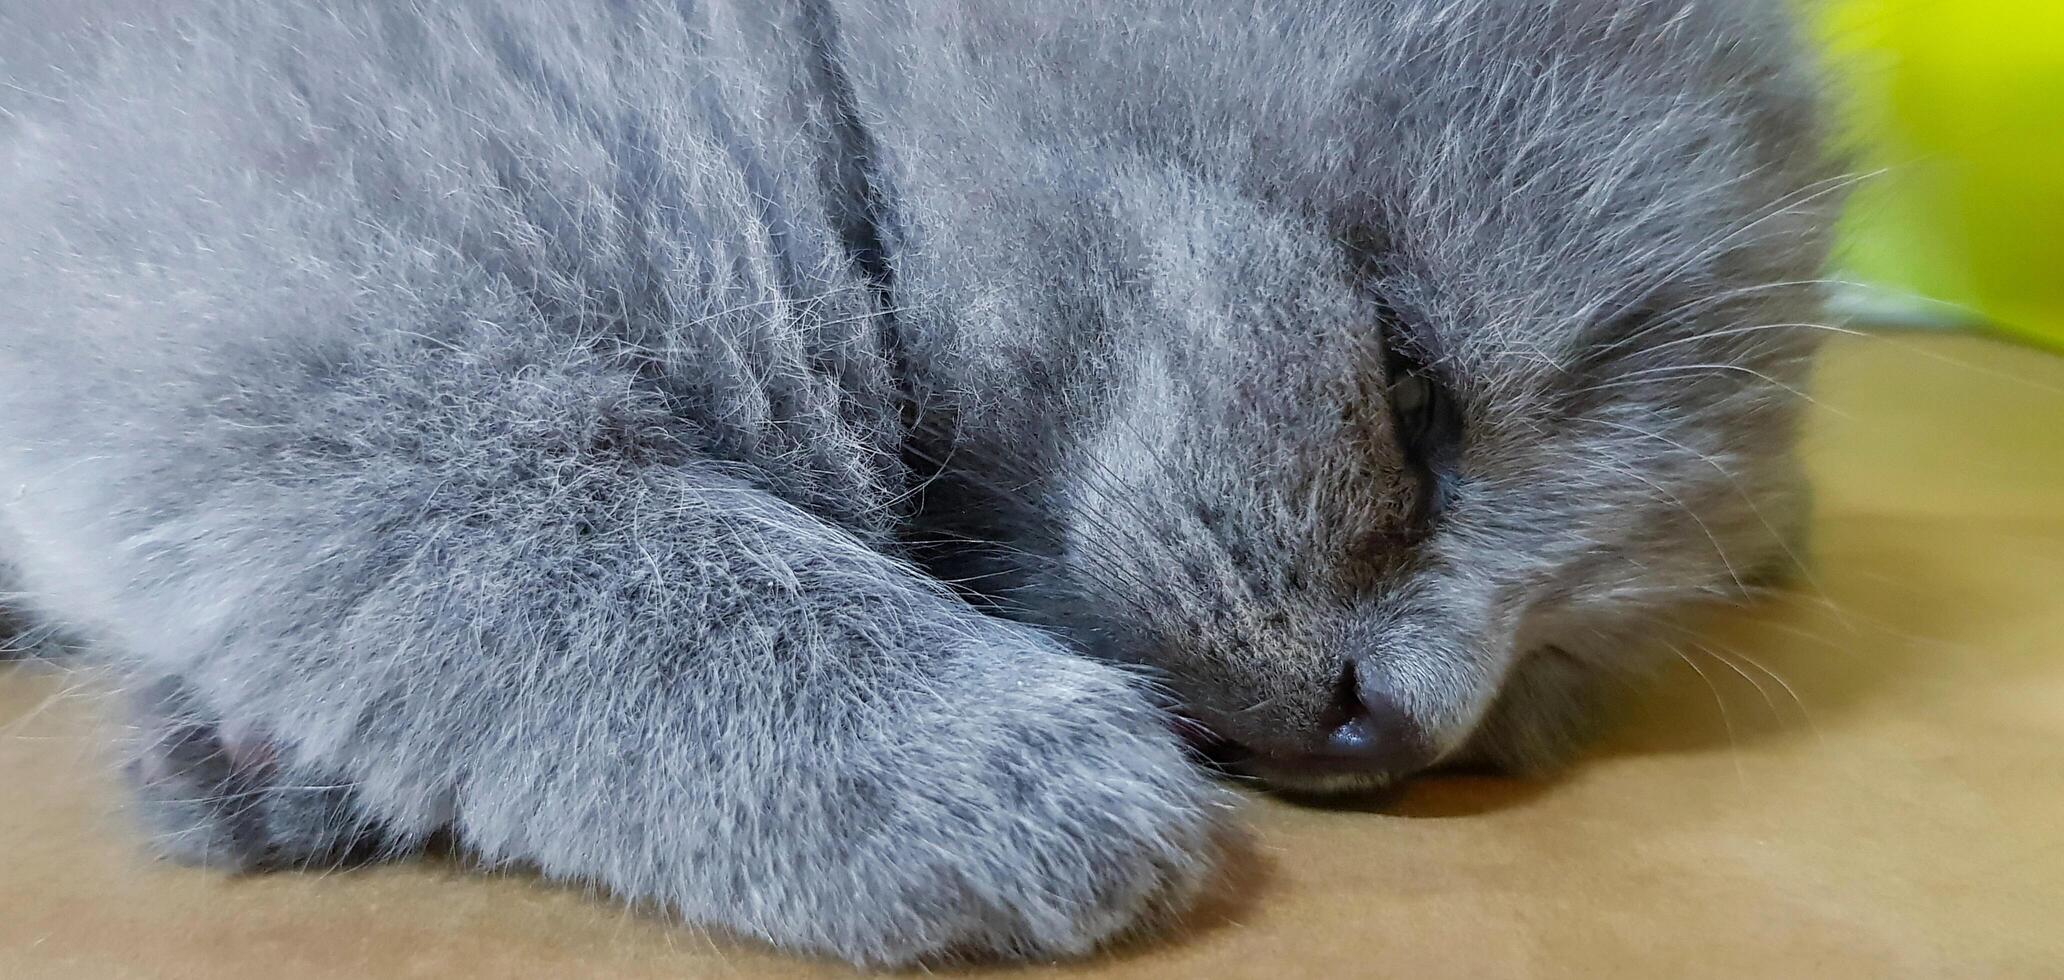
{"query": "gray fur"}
(780, 460)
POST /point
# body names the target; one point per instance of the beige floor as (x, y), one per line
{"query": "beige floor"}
(1891, 807)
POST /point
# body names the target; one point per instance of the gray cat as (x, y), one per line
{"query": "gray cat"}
(834, 468)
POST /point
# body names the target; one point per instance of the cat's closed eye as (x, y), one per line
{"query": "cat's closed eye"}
(1426, 418)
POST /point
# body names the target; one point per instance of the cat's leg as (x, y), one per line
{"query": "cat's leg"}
(693, 693)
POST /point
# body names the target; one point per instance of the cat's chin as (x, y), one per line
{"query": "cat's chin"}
(1315, 780)
(1342, 789)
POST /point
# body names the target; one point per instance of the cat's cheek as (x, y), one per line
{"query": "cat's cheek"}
(1550, 709)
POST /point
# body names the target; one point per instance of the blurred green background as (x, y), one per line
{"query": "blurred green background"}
(1957, 109)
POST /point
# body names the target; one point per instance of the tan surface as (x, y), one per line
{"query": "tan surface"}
(1898, 816)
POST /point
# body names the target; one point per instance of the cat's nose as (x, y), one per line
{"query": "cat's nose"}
(1377, 734)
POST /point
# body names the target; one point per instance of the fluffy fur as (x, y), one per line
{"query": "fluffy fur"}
(783, 460)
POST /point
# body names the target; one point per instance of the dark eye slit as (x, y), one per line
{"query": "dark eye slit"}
(1426, 417)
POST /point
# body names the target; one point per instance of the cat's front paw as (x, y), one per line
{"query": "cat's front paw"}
(1052, 814)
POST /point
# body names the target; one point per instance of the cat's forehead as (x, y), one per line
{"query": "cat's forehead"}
(1587, 167)
(1551, 279)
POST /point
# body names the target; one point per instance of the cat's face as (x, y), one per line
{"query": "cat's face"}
(1410, 467)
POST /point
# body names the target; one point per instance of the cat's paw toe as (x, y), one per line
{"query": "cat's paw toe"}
(212, 799)
(196, 805)
(1070, 820)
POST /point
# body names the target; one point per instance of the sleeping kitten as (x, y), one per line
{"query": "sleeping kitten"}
(813, 463)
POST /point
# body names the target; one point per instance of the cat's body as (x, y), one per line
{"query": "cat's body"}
(553, 422)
